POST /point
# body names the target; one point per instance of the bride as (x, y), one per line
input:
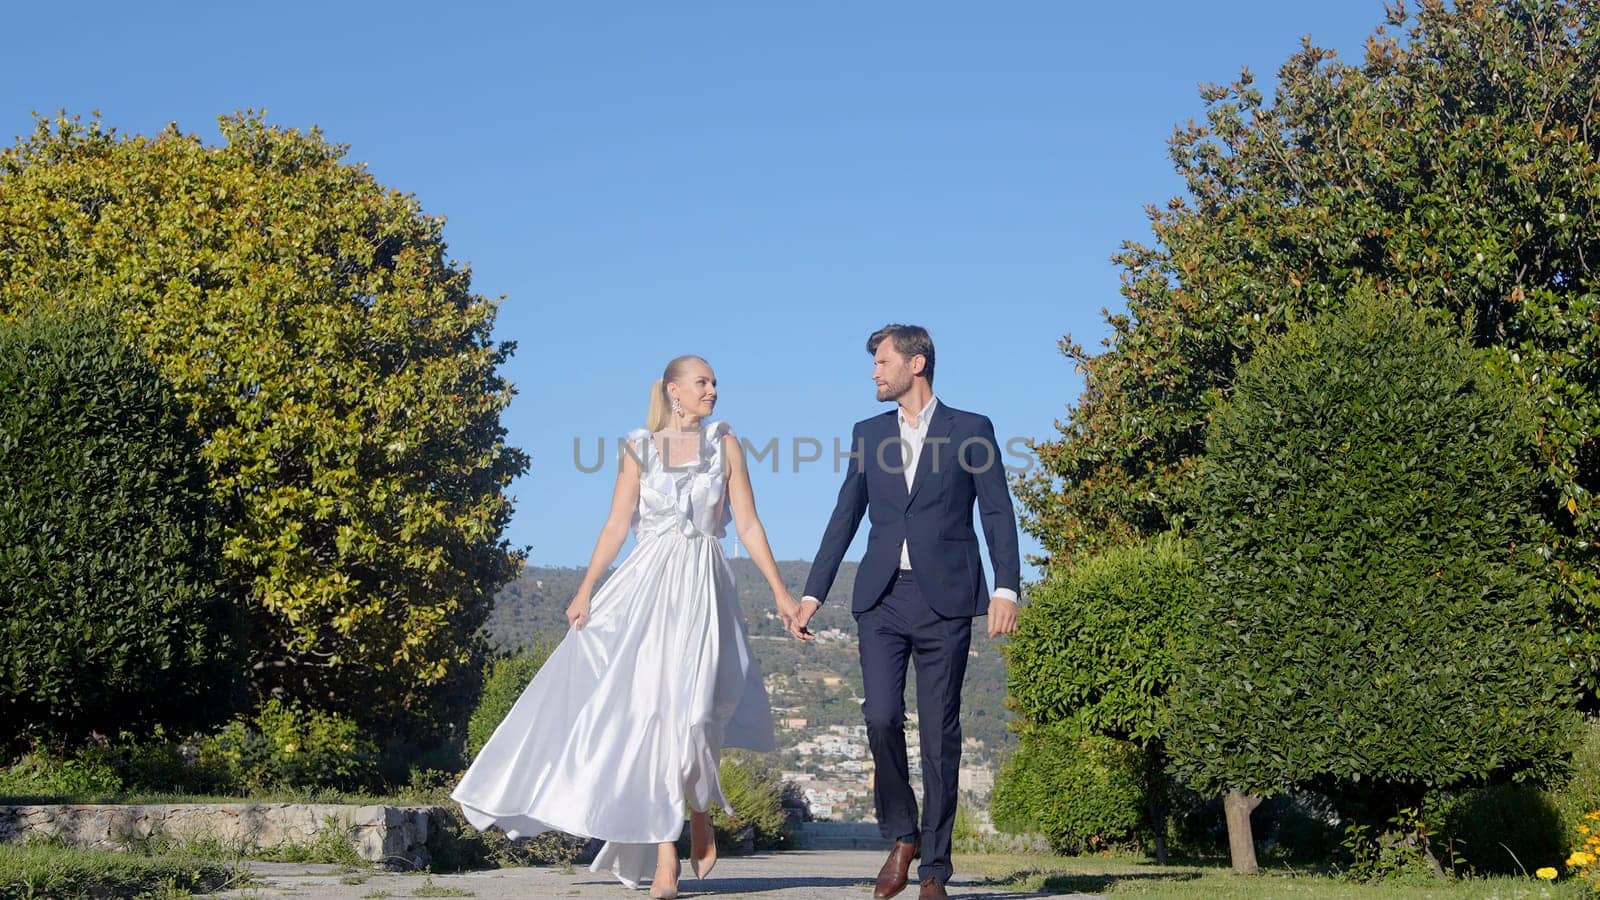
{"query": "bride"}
(624, 723)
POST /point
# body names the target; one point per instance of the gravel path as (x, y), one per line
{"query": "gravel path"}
(793, 875)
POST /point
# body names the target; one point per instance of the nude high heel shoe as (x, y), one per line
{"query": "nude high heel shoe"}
(669, 892)
(702, 844)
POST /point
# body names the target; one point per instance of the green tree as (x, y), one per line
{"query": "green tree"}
(1099, 646)
(338, 368)
(112, 612)
(1372, 612)
(1455, 164)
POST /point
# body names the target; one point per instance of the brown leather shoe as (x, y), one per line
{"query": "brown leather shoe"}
(933, 889)
(892, 877)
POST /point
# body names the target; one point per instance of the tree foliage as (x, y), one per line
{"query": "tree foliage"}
(112, 612)
(337, 367)
(1371, 608)
(1100, 641)
(1454, 163)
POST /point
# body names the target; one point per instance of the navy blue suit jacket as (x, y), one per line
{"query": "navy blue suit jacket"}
(960, 464)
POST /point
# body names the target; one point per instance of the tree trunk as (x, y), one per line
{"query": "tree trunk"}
(1157, 791)
(1241, 841)
(1157, 808)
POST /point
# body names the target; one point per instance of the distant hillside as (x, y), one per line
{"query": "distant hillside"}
(535, 604)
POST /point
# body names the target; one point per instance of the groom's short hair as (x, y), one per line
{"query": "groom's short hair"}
(909, 340)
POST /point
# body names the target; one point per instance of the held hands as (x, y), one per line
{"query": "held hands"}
(794, 616)
(578, 610)
(1002, 616)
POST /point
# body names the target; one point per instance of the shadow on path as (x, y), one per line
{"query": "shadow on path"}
(986, 889)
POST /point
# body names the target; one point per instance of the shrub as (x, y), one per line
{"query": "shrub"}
(112, 615)
(1579, 794)
(1082, 792)
(504, 680)
(1403, 850)
(409, 767)
(755, 792)
(1099, 645)
(1506, 829)
(1100, 640)
(44, 774)
(287, 746)
(342, 374)
(1371, 611)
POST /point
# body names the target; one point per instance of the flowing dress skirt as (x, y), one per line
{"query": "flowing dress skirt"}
(624, 723)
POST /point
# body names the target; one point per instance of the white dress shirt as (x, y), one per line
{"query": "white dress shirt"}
(912, 437)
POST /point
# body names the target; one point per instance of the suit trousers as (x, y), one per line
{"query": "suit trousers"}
(902, 627)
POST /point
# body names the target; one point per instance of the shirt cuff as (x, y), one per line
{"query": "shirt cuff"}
(810, 599)
(1006, 594)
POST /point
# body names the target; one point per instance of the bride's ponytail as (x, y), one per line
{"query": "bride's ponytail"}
(658, 416)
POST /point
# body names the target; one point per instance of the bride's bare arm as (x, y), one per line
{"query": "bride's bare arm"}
(742, 502)
(624, 500)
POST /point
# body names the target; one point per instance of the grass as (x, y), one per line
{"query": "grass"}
(429, 889)
(330, 845)
(1121, 876)
(39, 871)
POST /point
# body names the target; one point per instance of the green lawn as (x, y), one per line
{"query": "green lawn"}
(1131, 876)
(34, 871)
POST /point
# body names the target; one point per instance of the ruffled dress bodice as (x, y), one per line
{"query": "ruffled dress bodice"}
(692, 499)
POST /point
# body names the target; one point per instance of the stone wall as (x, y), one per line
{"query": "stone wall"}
(392, 836)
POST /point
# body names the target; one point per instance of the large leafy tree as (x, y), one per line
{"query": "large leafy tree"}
(1373, 609)
(340, 372)
(1455, 163)
(112, 613)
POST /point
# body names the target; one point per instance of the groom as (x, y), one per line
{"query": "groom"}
(916, 472)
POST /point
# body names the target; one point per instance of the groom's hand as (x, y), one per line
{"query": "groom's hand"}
(1002, 616)
(797, 626)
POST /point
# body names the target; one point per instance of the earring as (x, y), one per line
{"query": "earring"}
(677, 408)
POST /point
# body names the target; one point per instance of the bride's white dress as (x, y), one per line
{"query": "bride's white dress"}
(624, 722)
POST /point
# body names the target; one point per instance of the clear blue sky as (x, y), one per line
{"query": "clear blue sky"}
(762, 184)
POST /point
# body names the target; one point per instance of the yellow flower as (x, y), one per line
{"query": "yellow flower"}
(1594, 815)
(1583, 829)
(1546, 874)
(1580, 858)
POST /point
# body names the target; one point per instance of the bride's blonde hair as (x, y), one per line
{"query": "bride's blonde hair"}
(660, 414)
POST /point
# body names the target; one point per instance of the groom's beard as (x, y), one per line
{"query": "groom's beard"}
(893, 391)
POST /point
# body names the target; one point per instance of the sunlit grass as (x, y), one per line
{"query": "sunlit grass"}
(1138, 876)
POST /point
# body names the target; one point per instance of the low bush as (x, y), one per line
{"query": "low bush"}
(1579, 793)
(1081, 792)
(504, 680)
(45, 775)
(1505, 829)
(284, 745)
(756, 793)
